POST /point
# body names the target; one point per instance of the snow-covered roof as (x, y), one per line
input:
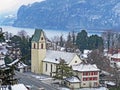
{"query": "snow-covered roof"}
(73, 79)
(54, 56)
(84, 56)
(19, 87)
(14, 62)
(85, 67)
(87, 51)
(2, 62)
(3, 50)
(21, 65)
(110, 83)
(116, 56)
(118, 64)
(16, 87)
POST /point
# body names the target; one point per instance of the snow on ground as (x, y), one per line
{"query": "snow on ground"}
(101, 88)
(41, 77)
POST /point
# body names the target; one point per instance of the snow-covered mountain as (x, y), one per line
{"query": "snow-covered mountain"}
(7, 19)
(70, 14)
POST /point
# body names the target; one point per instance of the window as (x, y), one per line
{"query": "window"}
(75, 61)
(41, 38)
(94, 78)
(92, 73)
(95, 73)
(90, 78)
(46, 67)
(84, 84)
(95, 84)
(42, 46)
(85, 79)
(34, 46)
(85, 73)
(51, 67)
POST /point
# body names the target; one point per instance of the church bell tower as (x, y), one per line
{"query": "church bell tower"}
(38, 51)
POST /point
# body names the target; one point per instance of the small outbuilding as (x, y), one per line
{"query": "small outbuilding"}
(72, 82)
(22, 67)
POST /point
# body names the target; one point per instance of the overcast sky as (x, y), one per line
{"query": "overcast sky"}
(12, 5)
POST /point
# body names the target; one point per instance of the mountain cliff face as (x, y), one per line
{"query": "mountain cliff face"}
(70, 14)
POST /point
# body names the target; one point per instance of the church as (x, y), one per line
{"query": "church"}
(43, 59)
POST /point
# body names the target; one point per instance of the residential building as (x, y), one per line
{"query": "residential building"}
(2, 62)
(19, 65)
(43, 60)
(73, 82)
(88, 74)
(115, 58)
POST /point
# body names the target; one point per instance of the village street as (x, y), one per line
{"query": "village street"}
(35, 83)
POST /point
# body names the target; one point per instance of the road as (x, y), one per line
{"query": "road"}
(29, 80)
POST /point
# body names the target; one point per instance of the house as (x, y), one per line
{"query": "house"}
(88, 74)
(115, 59)
(43, 59)
(13, 87)
(22, 67)
(85, 54)
(73, 82)
(19, 65)
(2, 62)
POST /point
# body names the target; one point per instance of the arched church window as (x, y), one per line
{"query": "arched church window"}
(34, 46)
(42, 46)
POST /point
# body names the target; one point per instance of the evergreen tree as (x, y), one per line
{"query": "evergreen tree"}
(63, 70)
(95, 42)
(24, 44)
(7, 59)
(69, 44)
(2, 37)
(81, 40)
(73, 38)
(61, 41)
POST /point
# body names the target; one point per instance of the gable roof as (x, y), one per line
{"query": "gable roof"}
(116, 56)
(54, 56)
(73, 79)
(85, 67)
(37, 35)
